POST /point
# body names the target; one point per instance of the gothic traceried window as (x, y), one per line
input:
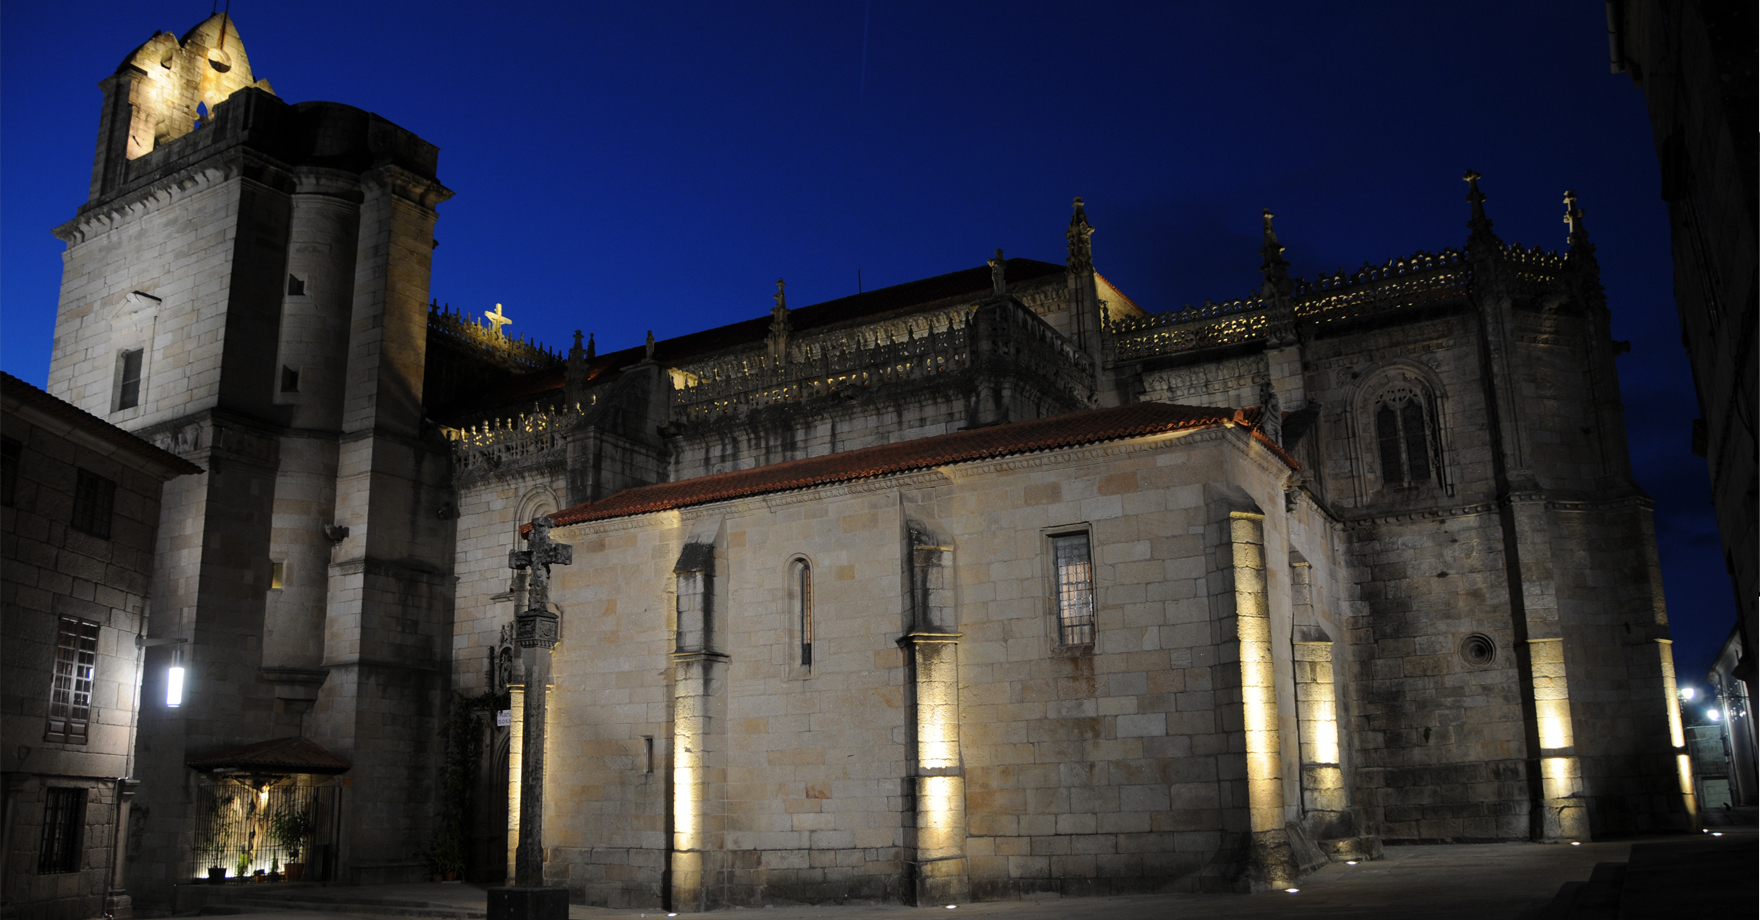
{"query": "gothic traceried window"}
(1402, 436)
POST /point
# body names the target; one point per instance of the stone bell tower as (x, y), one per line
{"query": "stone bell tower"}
(247, 286)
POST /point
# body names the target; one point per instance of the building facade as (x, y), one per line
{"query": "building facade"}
(1695, 65)
(79, 514)
(985, 585)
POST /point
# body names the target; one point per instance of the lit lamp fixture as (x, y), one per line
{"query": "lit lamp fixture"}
(173, 675)
(1714, 715)
(174, 680)
(1687, 693)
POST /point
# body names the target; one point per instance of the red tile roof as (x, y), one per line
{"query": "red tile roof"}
(1087, 427)
(277, 755)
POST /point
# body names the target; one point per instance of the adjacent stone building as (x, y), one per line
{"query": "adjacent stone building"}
(79, 514)
(1695, 63)
(986, 585)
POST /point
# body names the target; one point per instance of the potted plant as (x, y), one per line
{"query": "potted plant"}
(291, 828)
(446, 859)
(214, 839)
(243, 864)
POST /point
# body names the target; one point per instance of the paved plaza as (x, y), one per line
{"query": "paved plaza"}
(1469, 882)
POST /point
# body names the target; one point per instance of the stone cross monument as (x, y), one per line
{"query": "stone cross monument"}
(535, 629)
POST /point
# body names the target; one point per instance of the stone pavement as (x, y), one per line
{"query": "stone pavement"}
(1682, 876)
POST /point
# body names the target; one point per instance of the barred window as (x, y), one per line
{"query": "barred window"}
(1403, 438)
(128, 379)
(94, 497)
(802, 589)
(64, 818)
(1074, 568)
(70, 690)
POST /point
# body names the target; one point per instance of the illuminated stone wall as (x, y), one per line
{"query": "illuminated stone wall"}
(1115, 768)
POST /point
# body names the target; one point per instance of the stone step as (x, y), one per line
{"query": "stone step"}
(383, 907)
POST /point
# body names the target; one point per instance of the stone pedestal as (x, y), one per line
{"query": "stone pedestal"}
(520, 903)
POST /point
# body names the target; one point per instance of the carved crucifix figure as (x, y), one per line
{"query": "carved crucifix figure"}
(540, 554)
(535, 630)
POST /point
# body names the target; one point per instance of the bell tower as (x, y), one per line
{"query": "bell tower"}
(247, 286)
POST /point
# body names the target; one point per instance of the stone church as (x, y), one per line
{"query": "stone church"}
(983, 586)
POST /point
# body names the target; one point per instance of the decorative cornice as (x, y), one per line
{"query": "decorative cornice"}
(167, 190)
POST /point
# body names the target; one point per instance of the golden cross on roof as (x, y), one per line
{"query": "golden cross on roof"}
(495, 317)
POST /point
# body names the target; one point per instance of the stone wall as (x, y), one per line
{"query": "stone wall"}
(1111, 769)
(53, 570)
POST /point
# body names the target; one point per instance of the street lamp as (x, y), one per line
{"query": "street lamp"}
(174, 675)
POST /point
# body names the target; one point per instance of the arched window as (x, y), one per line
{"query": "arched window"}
(1402, 434)
(801, 593)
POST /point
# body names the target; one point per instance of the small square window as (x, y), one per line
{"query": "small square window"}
(1073, 568)
(289, 379)
(277, 572)
(64, 820)
(128, 379)
(296, 286)
(94, 498)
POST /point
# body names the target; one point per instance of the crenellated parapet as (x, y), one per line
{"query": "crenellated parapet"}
(525, 441)
(1212, 325)
(923, 346)
(471, 335)
(1410, 282)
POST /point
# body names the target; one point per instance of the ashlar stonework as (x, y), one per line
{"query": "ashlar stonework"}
(987, 585)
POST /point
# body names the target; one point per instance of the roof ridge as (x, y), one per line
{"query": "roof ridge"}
(1088, 426)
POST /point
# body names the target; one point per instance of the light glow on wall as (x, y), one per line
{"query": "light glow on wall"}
(940, 804)
(1677, 734)
(1258, 677)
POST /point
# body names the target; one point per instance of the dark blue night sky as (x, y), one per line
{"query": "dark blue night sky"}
(627, 166)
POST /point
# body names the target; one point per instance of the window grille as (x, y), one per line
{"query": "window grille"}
(94, 497)
(128, 386)
(64, 819)
(70, 690)
(1075, 589)
(265, 827)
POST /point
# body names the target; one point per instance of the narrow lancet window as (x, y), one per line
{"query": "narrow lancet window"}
(1387, 433)
(803, 603)
(1075, 589)
(1411, 417)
